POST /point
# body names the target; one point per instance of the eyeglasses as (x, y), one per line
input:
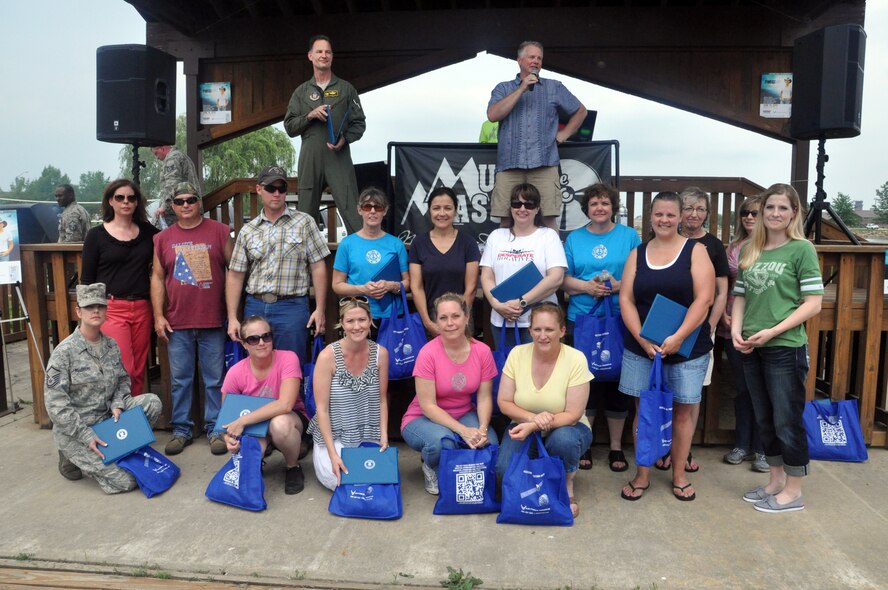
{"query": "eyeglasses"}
(275, 188)
(127, 198)
(697, 210)
(254, 340)
(529, 205)
(368, 207)
(357, 299)
(752, 212)
(189, 200)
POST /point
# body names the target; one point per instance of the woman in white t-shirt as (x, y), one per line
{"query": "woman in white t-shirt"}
(509, 249)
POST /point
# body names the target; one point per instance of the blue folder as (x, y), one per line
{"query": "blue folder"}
(237, 405)
(663, 320)
(367, 465)
(130, 433)
(518, 284)
(390, 271)
(331, 136)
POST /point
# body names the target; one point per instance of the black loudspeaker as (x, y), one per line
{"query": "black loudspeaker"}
(135, 95)
(827, 71)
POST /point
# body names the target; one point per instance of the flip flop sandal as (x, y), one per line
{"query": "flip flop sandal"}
(617, 457)
(681, 489)
(688, 466)
(587, 456)
(625, 496)
(661, 463)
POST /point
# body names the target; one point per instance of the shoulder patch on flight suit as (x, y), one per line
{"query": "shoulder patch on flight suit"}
(314, 96)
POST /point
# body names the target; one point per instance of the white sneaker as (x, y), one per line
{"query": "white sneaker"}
(431, 479)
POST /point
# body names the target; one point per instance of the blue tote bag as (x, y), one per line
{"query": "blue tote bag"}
(239, 483)
(601, 340)
(308, 373)
(834, 431)
(375, 501)
(402, 336)
(535, 490)
(154, 472)
(466, 478)
(654, 435)
(499, 359)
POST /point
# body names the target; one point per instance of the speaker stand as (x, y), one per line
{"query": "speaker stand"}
(819, 204)
(137, 163)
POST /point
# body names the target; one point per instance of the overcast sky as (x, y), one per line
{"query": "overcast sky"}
(48, 111)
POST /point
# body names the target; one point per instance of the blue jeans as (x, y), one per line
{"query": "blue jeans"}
(776, 379)
(209, 344)
(287, 319)
(567, 442)
(747, 435)
(423, 435)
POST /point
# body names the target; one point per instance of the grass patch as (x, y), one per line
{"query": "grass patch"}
(458, 580)
(24, 556)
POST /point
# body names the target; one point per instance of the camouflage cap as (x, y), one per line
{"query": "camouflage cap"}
(186, 188)
(271, 173)
(91, 295)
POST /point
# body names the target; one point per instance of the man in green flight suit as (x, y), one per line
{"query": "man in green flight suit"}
(322, 162)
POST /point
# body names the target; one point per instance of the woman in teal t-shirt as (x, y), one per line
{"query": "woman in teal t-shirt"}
(778, 288)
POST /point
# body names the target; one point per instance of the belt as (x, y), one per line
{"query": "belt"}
(127, 297)
(272, 298)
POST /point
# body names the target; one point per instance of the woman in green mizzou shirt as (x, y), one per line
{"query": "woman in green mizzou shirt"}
(778, 288)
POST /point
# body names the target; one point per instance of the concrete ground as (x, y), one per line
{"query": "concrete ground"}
(838, 541)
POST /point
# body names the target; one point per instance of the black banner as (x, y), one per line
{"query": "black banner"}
(469, 169)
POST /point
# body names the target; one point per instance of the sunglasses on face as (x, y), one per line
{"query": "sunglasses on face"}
(254, 340)
(275, 188)
(189, 200)
(368, 207)
(529, 205)
(358, 299)
(753, 213)
(127, 198)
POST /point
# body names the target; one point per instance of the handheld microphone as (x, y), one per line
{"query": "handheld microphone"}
(535, 72)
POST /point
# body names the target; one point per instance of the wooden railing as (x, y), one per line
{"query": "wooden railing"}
(847, 340)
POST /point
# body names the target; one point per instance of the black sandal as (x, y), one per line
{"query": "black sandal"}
(587, 457)
(617, 457)
(661, 463)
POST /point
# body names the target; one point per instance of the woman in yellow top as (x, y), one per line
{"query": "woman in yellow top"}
(544, 387)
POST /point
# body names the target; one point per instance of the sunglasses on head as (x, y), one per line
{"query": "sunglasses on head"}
(254, 340)
(127, 198)
(529, 205)
(275, 188)
(748, 212)
(368, 207)
(357, 299)
(189, 200)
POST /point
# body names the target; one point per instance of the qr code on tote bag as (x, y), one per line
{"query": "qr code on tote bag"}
(833, 434)
(470, 487)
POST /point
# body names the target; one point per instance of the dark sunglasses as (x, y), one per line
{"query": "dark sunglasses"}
(189, 200)
(358, 299)
(275, 188)
(254, 340)
(753, 212)
(529, 205)
(127, 198)
(368, 207)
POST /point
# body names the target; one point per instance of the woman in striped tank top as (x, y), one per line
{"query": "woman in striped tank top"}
(350, 386)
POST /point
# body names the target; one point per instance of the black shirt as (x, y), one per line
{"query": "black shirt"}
(124, 267)
(443, 273)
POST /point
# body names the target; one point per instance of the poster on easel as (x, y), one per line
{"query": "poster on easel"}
(215, 100)
(10, 253)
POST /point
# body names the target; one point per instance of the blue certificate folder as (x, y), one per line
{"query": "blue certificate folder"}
(662, 321)
(518, 284)
(368, 465)
(390, 271)
(332, 136)
(237, 405)
(130, 433)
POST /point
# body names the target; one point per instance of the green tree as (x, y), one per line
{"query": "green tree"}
(844, 209)
(881, 205)
(41, 188)
(242, 156)
(91, 186)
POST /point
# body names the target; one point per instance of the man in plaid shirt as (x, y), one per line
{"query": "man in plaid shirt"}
(281, 249)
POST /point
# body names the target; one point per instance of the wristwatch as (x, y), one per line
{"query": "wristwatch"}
(522, 302)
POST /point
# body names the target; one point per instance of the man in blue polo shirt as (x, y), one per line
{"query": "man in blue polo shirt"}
(528, 133)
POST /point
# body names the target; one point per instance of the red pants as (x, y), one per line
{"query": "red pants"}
(130, 323)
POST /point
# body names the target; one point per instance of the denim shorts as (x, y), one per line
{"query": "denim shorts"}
(684, 379)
